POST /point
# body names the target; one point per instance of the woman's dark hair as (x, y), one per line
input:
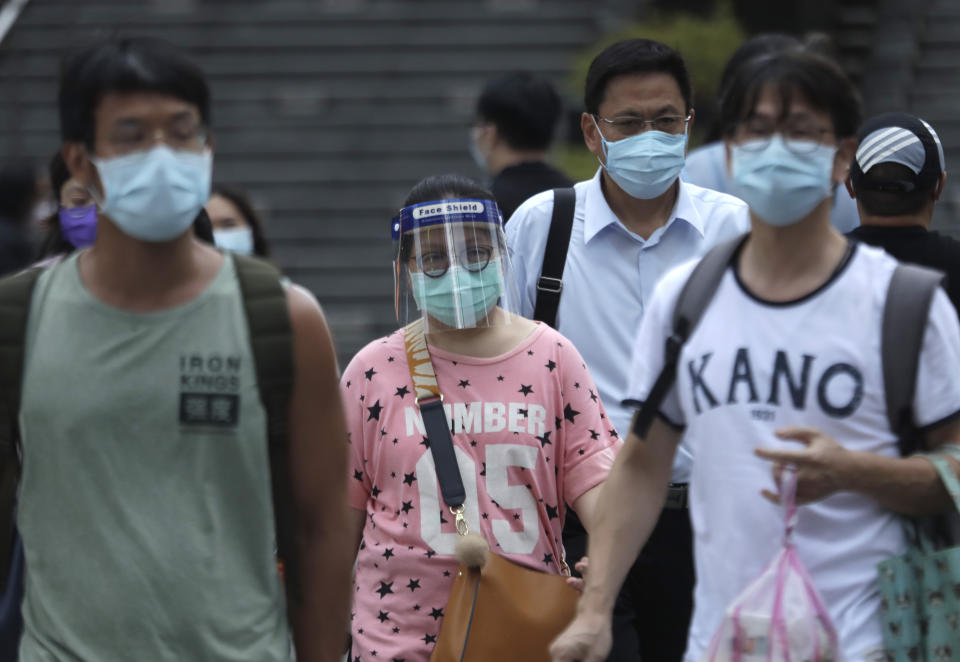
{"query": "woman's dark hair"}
(634, 56)
(818, 80)
(125, 65)
(239, 200)
(440, 187)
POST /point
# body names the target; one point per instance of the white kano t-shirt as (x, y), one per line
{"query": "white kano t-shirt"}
(752, 367)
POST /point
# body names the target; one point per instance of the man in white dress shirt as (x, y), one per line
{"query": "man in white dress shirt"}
(632, 222)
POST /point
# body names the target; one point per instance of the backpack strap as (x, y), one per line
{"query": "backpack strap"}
(550, 283)
(16, 293)
(905, 315)
(694, 298)
(271, 340)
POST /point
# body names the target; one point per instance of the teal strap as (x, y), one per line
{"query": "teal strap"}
(947, 475)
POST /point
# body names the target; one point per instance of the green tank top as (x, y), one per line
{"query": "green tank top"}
(145, 505)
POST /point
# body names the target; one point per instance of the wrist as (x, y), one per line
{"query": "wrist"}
(846, 470)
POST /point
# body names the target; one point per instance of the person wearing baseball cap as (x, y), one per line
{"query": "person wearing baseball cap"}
(897, 176)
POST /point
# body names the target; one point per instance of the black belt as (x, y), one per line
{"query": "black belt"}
(676, 496)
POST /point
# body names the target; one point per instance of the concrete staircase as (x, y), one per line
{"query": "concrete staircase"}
(326, 111)
(906, 56)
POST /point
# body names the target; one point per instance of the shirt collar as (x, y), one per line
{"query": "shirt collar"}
(598, 214)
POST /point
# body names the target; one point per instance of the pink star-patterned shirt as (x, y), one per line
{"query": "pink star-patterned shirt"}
(531, 436)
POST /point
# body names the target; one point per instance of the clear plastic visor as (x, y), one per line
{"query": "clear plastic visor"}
(451, 265)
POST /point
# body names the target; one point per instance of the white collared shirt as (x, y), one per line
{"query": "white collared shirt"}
(610, 274)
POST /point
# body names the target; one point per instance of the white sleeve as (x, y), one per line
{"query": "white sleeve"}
(937, 396)
(525, 246)
(649, 350)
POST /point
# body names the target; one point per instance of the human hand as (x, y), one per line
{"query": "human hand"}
(820, 464)
(588, 638)
(581, 566)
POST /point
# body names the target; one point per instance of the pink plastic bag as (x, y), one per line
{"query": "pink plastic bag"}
(779, 617)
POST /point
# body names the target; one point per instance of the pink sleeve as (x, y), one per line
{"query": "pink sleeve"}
(590, 440)
(351, 388)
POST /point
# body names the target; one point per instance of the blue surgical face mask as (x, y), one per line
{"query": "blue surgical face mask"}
(459, 298)
(644, 165)
(79, 225)
(235, 240)
(780, 186)
(155, 195)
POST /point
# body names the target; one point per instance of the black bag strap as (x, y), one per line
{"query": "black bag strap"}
(694, 298)
(271, 340)
(550, 283)
(16, 292)
(905, 315)
(430, 401)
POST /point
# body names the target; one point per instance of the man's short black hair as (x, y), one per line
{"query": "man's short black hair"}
(818, 80)
(634, 56)
(525, 109)
(125, 65)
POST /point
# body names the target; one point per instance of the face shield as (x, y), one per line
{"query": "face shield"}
(451, 265)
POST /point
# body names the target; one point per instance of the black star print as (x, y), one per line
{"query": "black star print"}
(582, 452)
(499, 378)
(473, 442)
(551, 511)
(376, 491)
(348, 383)
(576, 385)
(530, 352)
(484, 516)
(429, 639)
(389, 359)
(413, 585)
(516, 516)
(436, 613)
(362, 398)
(384, 589)
(397, 659)
(388, 553)
(463, 383)
(375, 411)
(613, 433)
(550, 365)
(547, 559)
(454, 362)
(558, 422)
(402, 391)
(358, 475)
(425, 443)
(593, 396)
(483, 473)
(594, 434)
(523, 412)
(416, 607)
(395, 441)
(570, 413)
(407, 506)
(544, 440)
(409, 478)
(526, 390)
(369, 374)
(383, 616)
(429, 554)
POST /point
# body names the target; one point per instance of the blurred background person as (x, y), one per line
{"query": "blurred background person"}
(18, 196)
(236, 224)
(517, 115)
(707, 165)
(897, 177)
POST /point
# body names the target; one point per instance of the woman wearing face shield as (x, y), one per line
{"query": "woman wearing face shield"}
(530, 433)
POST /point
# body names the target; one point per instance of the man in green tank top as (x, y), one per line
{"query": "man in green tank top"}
(145, 498)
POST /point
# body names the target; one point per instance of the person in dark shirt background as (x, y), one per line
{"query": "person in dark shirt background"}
(897, 177)
(517, 115)
(18, 194)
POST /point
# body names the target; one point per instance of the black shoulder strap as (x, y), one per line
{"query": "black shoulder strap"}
(16, 293)
(550, 283)
(271, 340)
(905, 315)
(694, 298)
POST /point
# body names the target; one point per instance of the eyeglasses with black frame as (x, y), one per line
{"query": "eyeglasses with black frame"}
(435, 264)
(631, 125)
(754, 135)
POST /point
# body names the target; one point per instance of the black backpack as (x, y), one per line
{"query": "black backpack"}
(271, 340)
